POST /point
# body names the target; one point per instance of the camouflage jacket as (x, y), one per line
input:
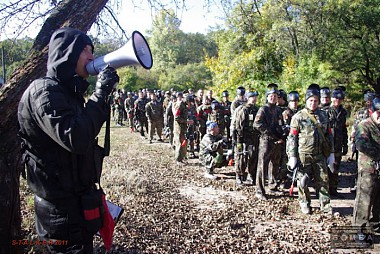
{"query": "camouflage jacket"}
(236, 103)
(304, 136)
(154, 111)
(202, 113)
(210, 144)
(180, 116)
(268, 122)
(217, 116)
(129, 103)
(360, 116)
(244, 119)
(140, 104)
(368, 143)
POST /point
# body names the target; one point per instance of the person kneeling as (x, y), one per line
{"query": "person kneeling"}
(211, 149)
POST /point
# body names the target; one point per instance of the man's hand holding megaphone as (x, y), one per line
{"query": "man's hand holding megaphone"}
(107, 81)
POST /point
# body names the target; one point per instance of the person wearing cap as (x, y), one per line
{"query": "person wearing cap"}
(268, 122)
(325, 97)
(180, 125)
(226, 108)
(339, 130)
(310, 148)
(62, 159)
(166, 100)
(140, 115)
(155, 114)
(211, 150)
(247, 141)
(367, 201)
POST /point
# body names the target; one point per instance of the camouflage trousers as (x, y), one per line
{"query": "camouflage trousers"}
(334, 177)
(180, 147)
(314, 166)
(367, 201)
(268, 160)
(155, 127)
(209, 160)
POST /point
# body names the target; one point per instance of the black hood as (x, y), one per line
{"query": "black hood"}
(65, 47)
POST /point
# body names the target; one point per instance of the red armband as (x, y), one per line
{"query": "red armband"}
(293, 131)
(178, 112)
(330, 131)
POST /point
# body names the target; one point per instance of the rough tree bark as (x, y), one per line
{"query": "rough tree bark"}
(79, 14)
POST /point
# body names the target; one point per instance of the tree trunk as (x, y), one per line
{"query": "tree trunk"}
(79, 14)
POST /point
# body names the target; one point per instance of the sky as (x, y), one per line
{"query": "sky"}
(195, 19)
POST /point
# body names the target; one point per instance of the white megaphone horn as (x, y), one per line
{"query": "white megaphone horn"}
(135, 52)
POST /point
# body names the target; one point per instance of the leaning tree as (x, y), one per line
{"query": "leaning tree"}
(79, 14)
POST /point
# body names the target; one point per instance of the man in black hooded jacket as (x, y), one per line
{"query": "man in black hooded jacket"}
(58, 130)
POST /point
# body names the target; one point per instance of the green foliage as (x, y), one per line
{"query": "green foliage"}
(15, 53)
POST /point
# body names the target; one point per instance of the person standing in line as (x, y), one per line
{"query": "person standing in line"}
(367, 201)
(268, 122)
(310, 147)
(155, 115)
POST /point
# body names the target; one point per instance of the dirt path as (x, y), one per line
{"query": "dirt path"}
(173, 209)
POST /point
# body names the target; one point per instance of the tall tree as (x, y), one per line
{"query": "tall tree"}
(79, 14)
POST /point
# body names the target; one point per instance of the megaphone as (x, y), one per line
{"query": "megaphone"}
(135, 52)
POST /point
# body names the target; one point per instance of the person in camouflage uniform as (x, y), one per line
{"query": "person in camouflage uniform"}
(339, 130)
(180, 125)
(247, 147)
(140, 104)
(239, 99)
(217, 116)
(202, 115)
(268, 122)
(169, 120)
(287, 115)
(155, 114)
(199, 98)
(309, 136)
(367, 201)
(129, 107)
(191, 128)
(226, 107)
(211, 150)
(119, 107)
(282, 103)
(362, 114)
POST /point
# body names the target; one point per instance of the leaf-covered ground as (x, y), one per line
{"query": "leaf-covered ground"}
(174, 209)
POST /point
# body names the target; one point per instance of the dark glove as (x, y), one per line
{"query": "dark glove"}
(344, 150)
(107, 81)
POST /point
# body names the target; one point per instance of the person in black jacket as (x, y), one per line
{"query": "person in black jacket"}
(60, 152)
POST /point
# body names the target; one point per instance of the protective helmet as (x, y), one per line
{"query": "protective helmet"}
(376, 103)
(368, 95)
(272, 88)
(282, 94)
(215, 105)
(325, 92)
(190, 98)
(240, 91)
(225, 94)
(252, 94)
(338, 93)
(293, 96)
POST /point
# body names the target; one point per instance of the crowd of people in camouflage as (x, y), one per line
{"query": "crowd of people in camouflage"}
(267, 144)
